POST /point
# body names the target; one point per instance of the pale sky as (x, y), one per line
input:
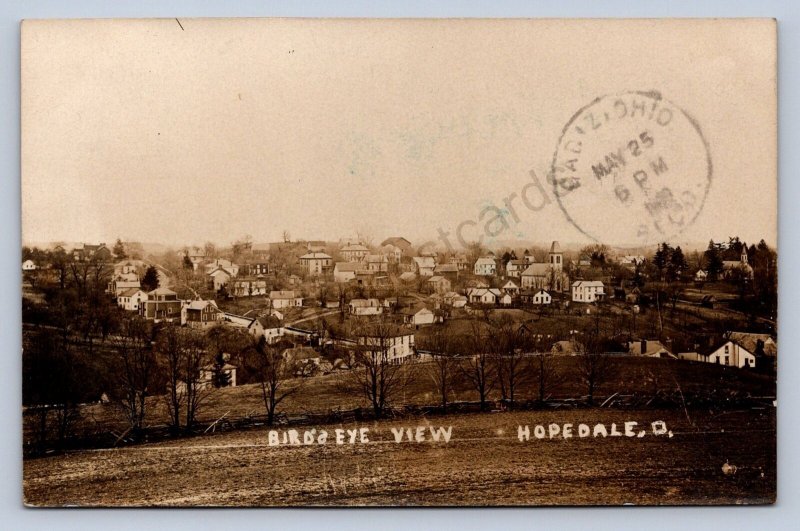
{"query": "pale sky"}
(142, 130)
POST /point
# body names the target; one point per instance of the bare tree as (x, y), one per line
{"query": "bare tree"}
(194, 358)
(477, 367)
(507, 341)
(170, 347)
(594, 366)
(136, 367)
(376, 375)
(274, 369)
(546, 375)
(444, 365)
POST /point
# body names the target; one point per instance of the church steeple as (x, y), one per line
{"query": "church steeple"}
(555, 258)
(743, 258)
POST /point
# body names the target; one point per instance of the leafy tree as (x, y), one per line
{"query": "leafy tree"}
(187, 263)
(713, 261)
(678, 262)
(150, 279)
(220, 377)
(662, 258)
(119, 250)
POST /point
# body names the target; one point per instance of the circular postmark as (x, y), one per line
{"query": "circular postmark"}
(631, 169)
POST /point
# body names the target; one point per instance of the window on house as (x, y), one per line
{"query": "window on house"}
(727, 360)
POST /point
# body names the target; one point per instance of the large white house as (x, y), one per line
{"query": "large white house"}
(587, 291)
(316, 263)
(485, 267)
(398, 347)
(28, 265)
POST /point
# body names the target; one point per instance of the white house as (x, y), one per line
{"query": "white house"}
(346, 271)
(218, 278)
(728, 353)
(272, 327)
(511, 288)
(485, 267)
(424, 265)
(316, 263)
(587, 291)
(541, 297)
(417, 316)
(365, 307)
(130, 299)
(227, 265)
(514, 268)
(398, 347)
(700, 276)
(285, 299)
(248, 287)
(454, 299)
(28, 265)
(252, 325)
(505, 299)
(483, 295)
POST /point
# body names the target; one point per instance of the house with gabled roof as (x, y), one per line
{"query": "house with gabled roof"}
(251, 324)
(219, 277)
(587, 291)
(651, 348)
(162, 304)
(417, 316)
(438, 284)
(346, 271)
(201, 314)
(424, 265)
(130, 299)
(514, 268)
(511, 288)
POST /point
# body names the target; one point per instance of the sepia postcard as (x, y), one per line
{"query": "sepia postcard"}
(411, 262)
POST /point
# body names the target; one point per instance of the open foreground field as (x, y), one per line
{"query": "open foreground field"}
(484, 463)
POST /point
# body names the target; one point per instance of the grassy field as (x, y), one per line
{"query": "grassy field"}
(484, 463)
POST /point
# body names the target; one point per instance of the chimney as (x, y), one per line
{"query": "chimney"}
(644, 347)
